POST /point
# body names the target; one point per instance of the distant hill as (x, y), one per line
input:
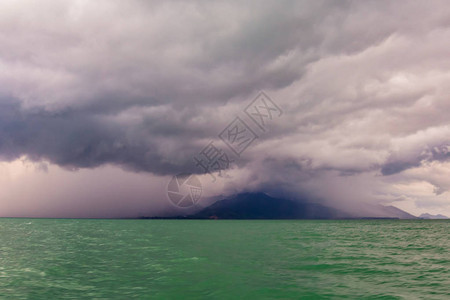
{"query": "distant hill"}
(434, 217)
(396, 212)
(262, 206)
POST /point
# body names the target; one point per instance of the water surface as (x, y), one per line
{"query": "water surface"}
(189, 259)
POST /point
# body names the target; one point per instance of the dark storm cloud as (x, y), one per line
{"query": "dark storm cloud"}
(78, 139)
(73, 79)
(399, 163)
(145, 85)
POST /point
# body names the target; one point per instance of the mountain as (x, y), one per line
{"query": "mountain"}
(263, 206)
(434, 217)
(363, 210)
(395, 212)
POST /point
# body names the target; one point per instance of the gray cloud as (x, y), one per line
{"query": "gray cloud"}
(145, 85)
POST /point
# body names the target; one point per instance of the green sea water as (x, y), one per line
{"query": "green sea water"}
(190, 259)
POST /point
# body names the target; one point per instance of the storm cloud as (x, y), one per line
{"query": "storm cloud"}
(145, 85)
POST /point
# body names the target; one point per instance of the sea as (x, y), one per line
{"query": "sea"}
(224, 259)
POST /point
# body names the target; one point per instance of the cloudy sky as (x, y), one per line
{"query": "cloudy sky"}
(102, 102)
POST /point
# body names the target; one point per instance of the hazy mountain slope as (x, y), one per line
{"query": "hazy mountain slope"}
(262, 206)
